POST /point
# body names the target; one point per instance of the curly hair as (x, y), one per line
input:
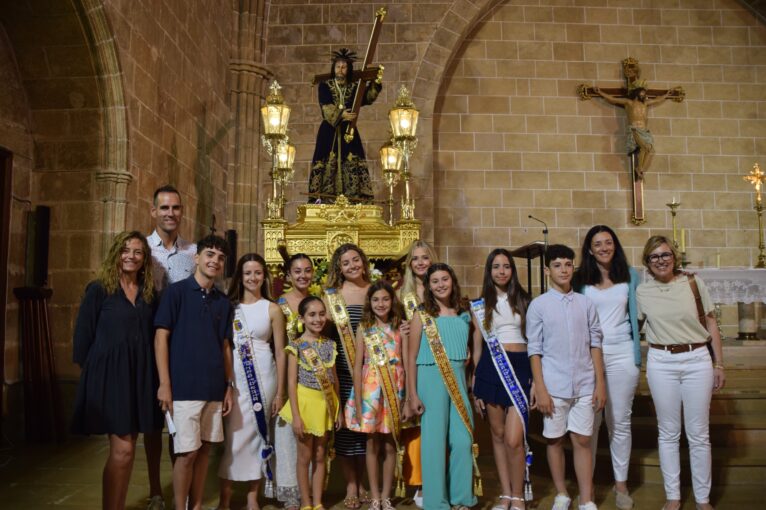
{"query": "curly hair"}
(429, 300)
(397, 310)
(110, 270)
(335, 276)
(237, 288)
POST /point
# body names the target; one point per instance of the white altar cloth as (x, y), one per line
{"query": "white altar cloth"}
(729, 286)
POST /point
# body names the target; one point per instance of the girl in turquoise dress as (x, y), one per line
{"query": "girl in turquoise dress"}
(446, 484)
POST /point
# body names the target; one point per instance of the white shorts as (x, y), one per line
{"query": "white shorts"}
(569, 414)
(196, 421)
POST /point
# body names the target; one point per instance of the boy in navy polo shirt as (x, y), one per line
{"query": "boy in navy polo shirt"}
(194, 360)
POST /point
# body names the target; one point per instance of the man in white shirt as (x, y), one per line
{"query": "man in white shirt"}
(172, 256)
(172, 261)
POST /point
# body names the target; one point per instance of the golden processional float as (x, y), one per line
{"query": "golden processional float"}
(320, 228)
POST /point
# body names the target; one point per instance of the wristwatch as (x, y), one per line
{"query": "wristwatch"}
(230, 383)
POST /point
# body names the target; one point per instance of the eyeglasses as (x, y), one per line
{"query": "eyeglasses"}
(653, 259)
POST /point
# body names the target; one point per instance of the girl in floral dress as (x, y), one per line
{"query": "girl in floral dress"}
(380, 327)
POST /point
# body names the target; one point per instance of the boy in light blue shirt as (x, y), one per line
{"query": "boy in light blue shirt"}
(564, 346)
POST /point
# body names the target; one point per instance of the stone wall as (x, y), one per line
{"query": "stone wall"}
(504, 135)
(105, 101)
(174, 57)
(15, 137)
(511, 137)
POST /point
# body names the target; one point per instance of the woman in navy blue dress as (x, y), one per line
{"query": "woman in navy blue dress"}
(114, 346)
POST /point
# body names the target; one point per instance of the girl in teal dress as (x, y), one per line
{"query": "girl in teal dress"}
(446, 484)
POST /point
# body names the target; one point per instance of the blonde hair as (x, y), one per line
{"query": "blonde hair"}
(335, 276)
(655, 242)
(409, 283)
(109, 272)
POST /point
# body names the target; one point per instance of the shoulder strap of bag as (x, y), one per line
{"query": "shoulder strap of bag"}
(698, 301)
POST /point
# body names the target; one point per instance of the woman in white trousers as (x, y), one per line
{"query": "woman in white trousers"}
(681, 372)
(605, 277)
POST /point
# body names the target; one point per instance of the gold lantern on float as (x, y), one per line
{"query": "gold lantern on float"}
(404, 124)
(285, 161)
(391, 163)
(275, 115)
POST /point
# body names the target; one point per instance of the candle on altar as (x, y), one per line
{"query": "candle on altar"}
(683, 240)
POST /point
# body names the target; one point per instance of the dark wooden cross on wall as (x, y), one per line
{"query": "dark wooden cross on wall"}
(635, 98)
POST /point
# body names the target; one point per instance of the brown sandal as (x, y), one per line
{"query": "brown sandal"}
(352, 503)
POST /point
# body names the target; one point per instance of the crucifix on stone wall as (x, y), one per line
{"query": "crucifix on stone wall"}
(636, 98)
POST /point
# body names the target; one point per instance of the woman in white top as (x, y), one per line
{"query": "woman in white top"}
(505, 309)
(681, 373)
(605, 277)
(257, 319)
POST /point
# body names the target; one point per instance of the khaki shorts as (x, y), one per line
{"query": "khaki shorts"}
(196, 421)
(570, 414)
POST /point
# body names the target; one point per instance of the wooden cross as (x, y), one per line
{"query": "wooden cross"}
(366, 74)
(635, 103)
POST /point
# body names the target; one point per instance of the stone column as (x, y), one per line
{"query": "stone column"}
(249, 79)
(113, 193)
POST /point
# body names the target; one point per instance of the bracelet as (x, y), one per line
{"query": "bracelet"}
(718, 366)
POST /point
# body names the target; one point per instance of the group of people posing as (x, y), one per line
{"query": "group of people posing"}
(367, 372)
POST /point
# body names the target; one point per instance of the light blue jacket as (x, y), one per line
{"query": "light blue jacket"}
(635, 279)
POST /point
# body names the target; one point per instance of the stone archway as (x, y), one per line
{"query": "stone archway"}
(457, 24)
(113, 176)
(68, 72)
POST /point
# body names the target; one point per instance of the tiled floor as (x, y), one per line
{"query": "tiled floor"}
(69, 477)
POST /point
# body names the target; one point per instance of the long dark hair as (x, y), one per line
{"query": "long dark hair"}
(429, 300)
(396, 313)
(518, 298)
(588, 273)
(237, 288)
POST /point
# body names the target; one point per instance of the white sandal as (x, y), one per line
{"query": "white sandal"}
(501, 506)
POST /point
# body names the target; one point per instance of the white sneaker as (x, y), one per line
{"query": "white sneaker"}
(418, 498)
(590, 505)
(561, 502)
(623, 501)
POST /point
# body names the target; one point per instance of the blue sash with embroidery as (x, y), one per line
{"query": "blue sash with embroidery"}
(510, 383)
(245, 352)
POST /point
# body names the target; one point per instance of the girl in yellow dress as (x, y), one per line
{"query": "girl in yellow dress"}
(312, 409)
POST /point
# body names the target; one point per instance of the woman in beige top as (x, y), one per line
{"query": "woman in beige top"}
(679, 368)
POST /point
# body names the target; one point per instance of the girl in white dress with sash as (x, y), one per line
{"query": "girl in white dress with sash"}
(256, 380)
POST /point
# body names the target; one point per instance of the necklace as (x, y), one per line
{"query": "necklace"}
(341, 91)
